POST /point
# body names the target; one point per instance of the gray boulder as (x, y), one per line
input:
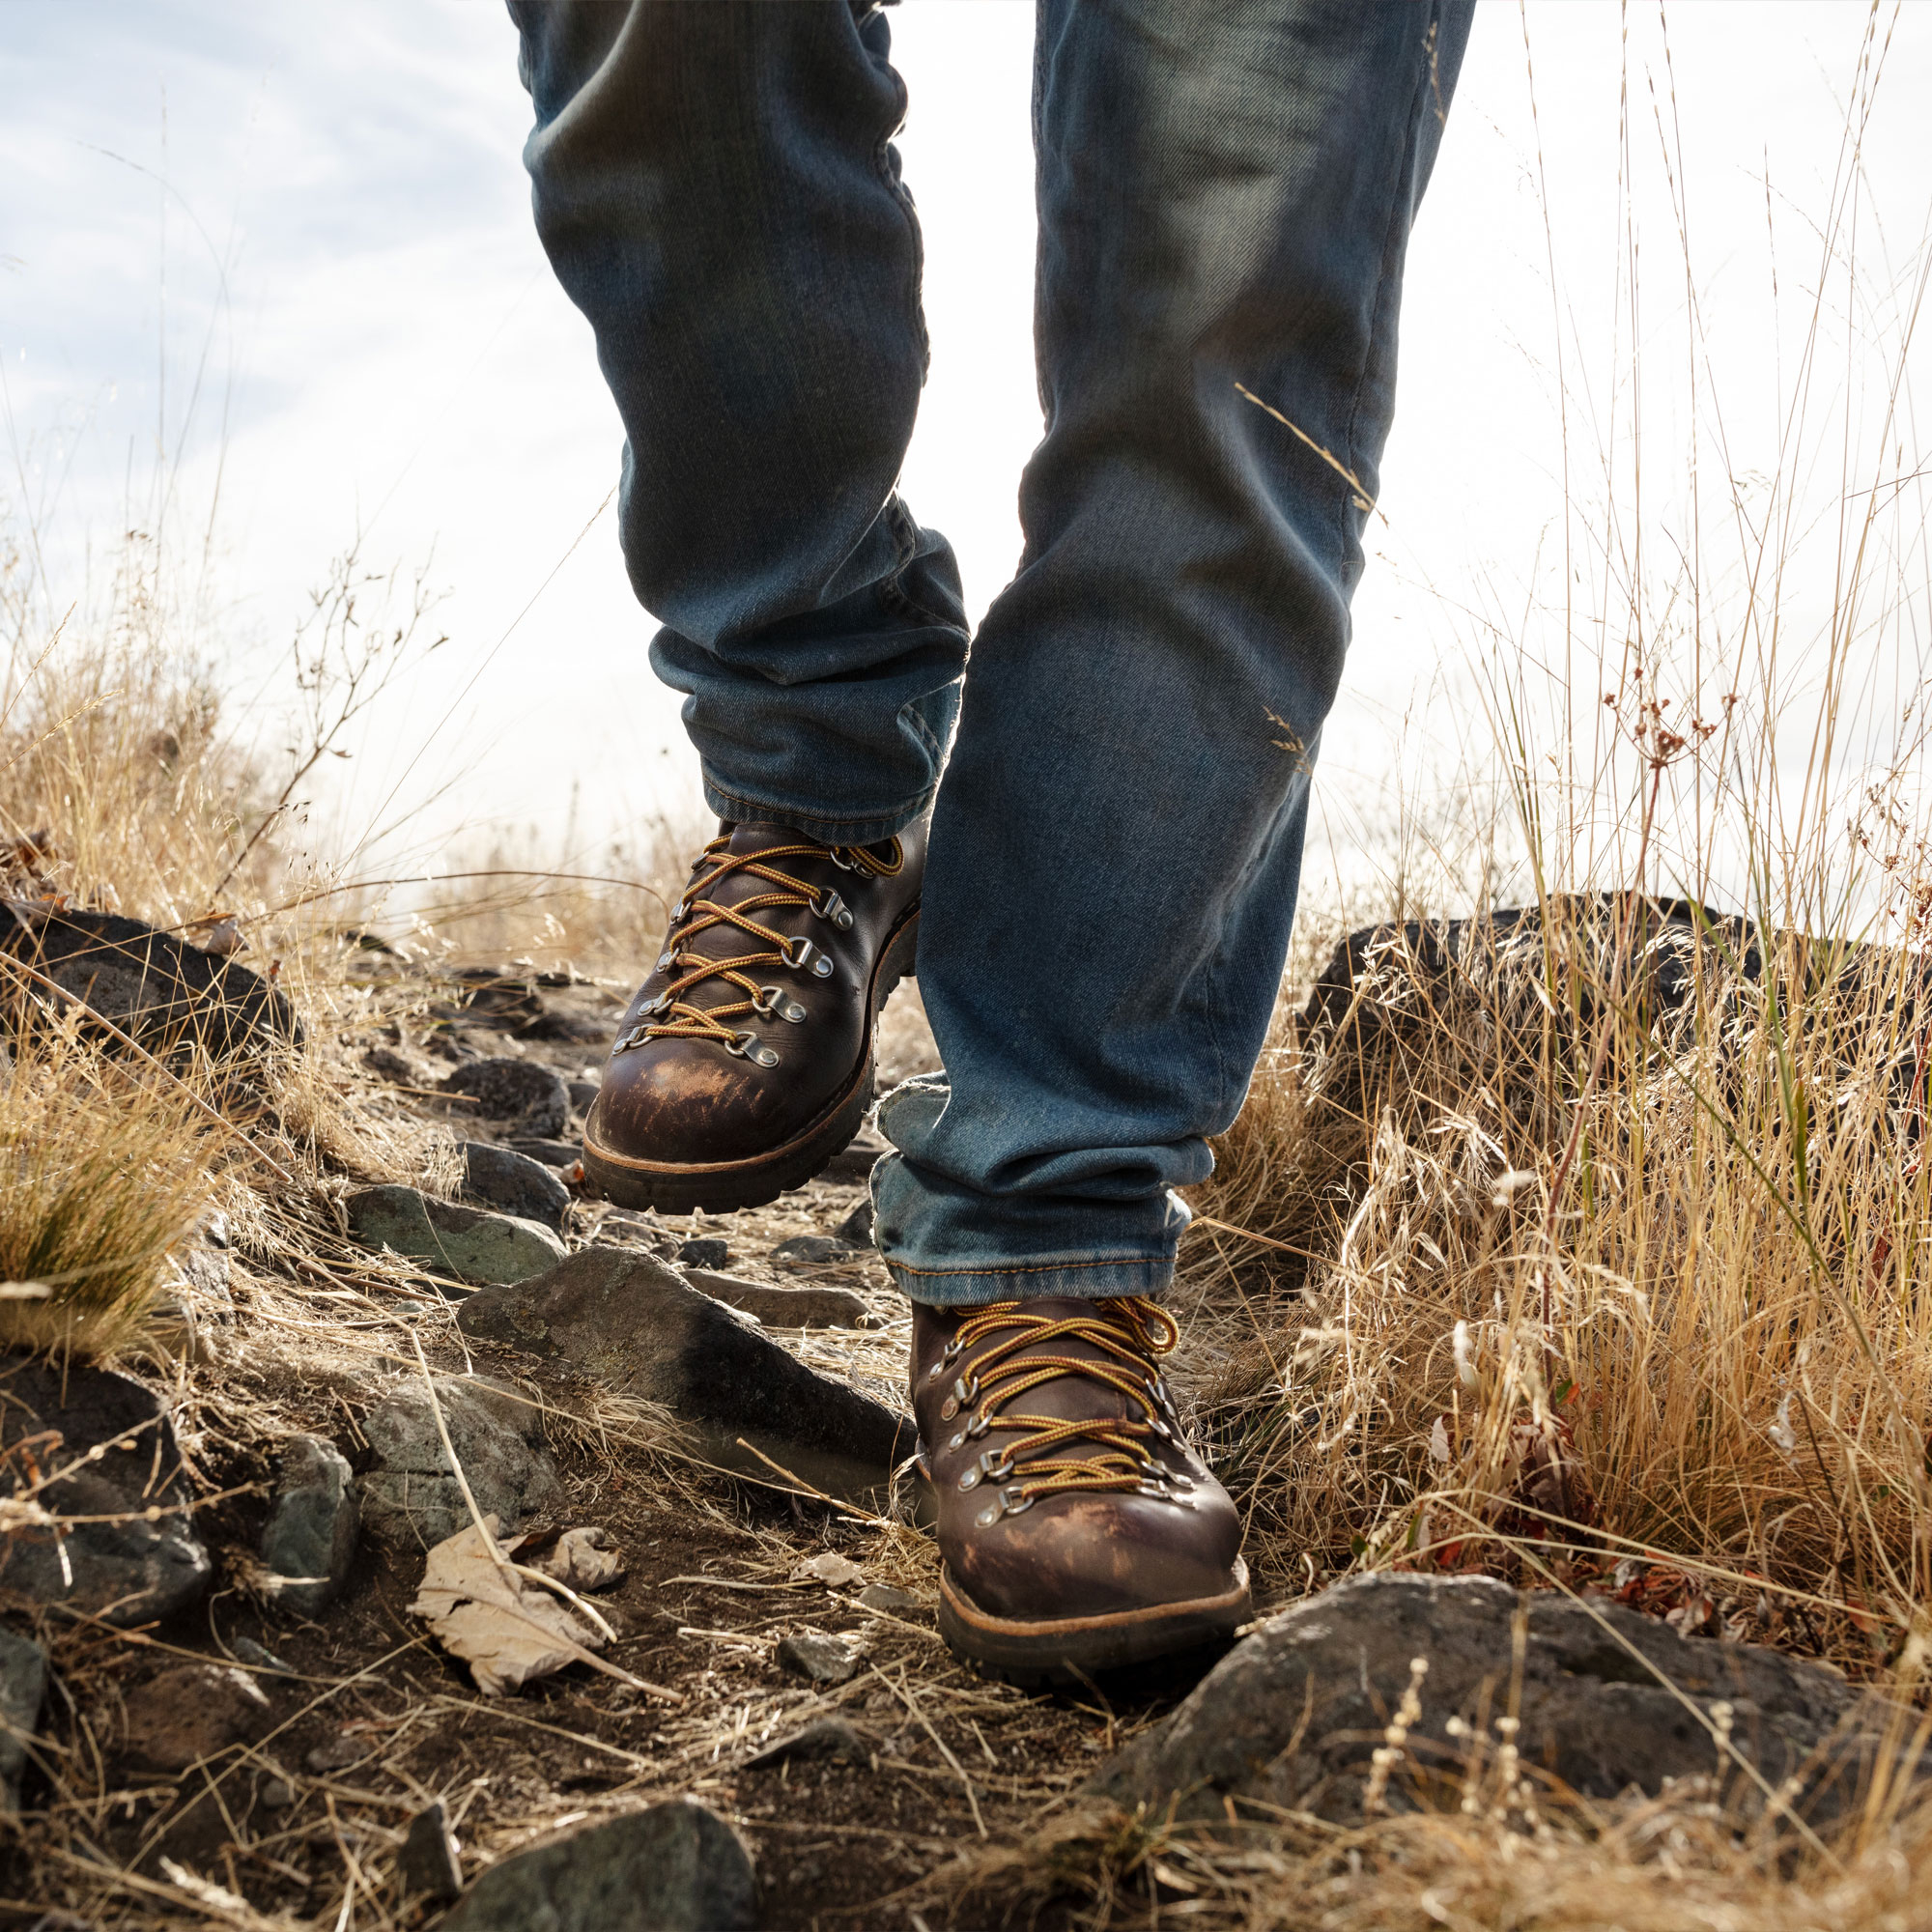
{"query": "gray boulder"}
(128, 1571)
(674, 1868)
(500, 1177)
(633, 1322)
(410, 1496)
(310, 1540)
(23, 1684)
(782, 1307)
(1291, 1716)
(451, 1239)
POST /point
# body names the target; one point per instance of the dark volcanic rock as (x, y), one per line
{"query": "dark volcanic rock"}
(310, 1541)
(674, 1868)
(857, 1226)
(814, 1251)
(783, 1307)
(449, 1239)
(824, 1660)
(409, 1494)
(548, 1153)
(630, 1320)
(128, 1572)
(531, 1097)
(837, 1737)
(1289, 1718)
(500, 1177)
(153, 987)
(706, 1251)
(23, 1684)
(428, 1864)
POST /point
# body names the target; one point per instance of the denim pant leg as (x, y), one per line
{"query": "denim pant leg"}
(714, 184)
(1225, 197)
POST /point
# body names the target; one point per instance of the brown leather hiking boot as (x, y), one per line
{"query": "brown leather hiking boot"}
(745, 1062)
(1077, 1531)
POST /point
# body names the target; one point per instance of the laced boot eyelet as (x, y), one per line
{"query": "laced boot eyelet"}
(1008, 1502)
(747, 1045)
(829, 906)
(774, 1003)
(803, 957)
(993, 1467)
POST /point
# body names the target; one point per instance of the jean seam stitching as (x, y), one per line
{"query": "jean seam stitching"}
(919, 804)
(1034, 1267)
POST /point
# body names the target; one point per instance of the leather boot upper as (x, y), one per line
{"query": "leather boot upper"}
(756, 1016)
(1064, 1485)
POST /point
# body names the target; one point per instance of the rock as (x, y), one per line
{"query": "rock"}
(1289, 1718)
(633, 1322)
(857, 1226)
(310, 1541)
(126, 1572)
(500, 1177)
(428, 1864)
(707, 1251)
(823, 1738)
(277, 1794)
(23, 1684)
(830, 1567)
(675, 1867)
(162, 993)
(824, 1660)
(636, 1231)
(883, 1597)
(783, 1307)
(856, 1160)
(193, 1712)
(581, 1094)
(408, 1495)
(549, 1154)
(519, 1090)
(813, 1251)
(400, 1069)
(257, 1658)
(451, 1239)
(338, 1753)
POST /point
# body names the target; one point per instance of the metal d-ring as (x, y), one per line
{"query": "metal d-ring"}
(773, 1003)
(747, 1045)
(803, 957)
(829, 905)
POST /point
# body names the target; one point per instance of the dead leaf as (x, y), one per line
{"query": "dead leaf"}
(1439, 1440)
(506, 1631)
(828, 1568)
(587, 1559)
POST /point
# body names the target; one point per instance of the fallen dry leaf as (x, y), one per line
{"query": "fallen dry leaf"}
(587, 1559)
(507, 1631)
(828, 1568)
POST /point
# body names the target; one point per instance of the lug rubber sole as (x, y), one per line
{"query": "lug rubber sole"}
(1065, 1651)
(720, 1187)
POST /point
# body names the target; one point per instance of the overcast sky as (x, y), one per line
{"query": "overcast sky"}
(286, 246)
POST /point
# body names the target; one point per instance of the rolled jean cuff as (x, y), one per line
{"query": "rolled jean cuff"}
(1031, 1281)
(828, 831)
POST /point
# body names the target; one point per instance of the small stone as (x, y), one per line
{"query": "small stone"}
(636, 1231)
(112, 1561)
(837, 1737)
(893, 1603)
(23, 1685)
(428, 1864)
(519, 1090)
(830, 1568)
(337, 1753)
(193, 1712)
(259, 1657)
(399, 1070)
(310, 1539)
(813, 1251)
(564, 1154)
(856, 1160)
(824, 1660)
(451, 1239)
(675, 1867)
(410, 1496)
(783, 1307)
(500, 1177)
(707, 1251)
(857, 1226)
(583, 1092)
(277, 1794)
(637, 1325)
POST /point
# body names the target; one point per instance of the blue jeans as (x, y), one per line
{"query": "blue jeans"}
(1225, 190)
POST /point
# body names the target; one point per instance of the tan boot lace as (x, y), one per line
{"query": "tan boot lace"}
(1131, 1332)
(672, 1014)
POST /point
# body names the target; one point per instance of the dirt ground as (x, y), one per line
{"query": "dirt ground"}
(373, 1720)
